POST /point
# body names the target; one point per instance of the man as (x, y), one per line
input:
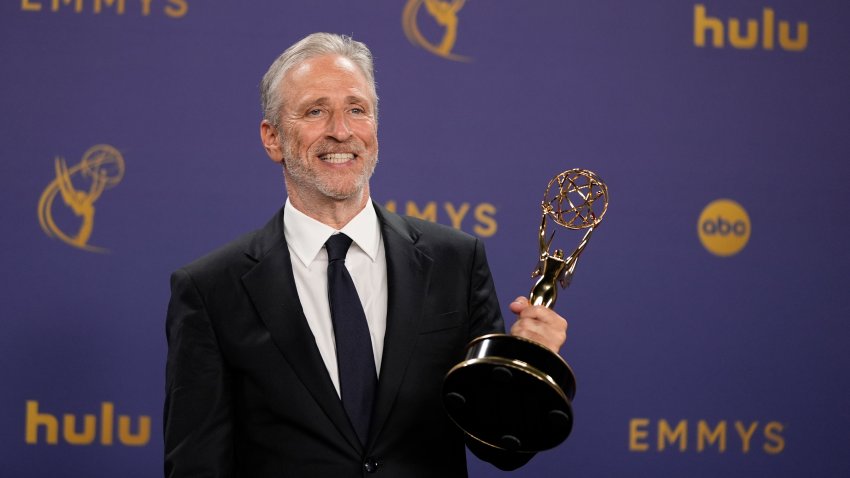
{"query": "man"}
(255, 385)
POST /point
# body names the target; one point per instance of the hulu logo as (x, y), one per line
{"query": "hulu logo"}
(83, 431)
(749, 37)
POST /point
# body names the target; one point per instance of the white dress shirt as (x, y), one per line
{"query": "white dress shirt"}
(366, 262)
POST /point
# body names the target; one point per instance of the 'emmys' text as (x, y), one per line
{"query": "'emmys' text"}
(483, 214)
(145, 8)
(703, 436)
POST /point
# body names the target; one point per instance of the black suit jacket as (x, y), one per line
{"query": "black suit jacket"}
(248, 395)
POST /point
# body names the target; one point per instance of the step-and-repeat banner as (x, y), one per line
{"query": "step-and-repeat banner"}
(708, 314)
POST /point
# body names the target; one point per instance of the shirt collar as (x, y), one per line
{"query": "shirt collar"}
(306, 236)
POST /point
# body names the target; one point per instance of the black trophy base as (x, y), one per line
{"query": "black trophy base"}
(512, 394)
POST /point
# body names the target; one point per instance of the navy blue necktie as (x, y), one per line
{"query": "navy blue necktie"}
(354, 357)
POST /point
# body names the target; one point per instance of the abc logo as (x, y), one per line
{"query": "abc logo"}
(724, 227)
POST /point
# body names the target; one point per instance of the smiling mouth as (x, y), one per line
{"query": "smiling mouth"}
(337, 158)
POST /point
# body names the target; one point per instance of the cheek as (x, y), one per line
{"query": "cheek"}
(364, 128)
(303, 139)
(306, 146)
(368, 136)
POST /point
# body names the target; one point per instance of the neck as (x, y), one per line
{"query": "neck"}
(335, 213)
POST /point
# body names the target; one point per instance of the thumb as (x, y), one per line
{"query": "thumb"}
(519, 304)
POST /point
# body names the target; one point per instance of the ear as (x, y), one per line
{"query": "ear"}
(271, 138)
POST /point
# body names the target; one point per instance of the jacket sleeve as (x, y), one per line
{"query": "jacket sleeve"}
(198, 417)
(487, 319)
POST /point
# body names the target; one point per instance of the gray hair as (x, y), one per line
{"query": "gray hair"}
(312, 46)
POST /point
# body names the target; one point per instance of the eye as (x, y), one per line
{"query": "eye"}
(314, 112)
(358, 111)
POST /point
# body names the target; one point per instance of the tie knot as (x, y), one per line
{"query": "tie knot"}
(337, 247)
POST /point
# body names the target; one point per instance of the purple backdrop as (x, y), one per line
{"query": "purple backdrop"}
(689, 363)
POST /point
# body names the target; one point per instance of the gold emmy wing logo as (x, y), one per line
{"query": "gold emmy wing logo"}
(724, 227)
(80, 186)
(445, 14)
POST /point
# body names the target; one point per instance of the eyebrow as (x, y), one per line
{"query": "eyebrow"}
(325, 100)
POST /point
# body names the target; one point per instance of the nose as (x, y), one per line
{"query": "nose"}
(338, 127)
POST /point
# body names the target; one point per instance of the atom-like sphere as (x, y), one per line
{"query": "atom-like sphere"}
(579, 201)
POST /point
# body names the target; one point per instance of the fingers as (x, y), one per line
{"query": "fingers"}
(538, 323)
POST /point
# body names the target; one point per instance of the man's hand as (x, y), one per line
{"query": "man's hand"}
(538, 323)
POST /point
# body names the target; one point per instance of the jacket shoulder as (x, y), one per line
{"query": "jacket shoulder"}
(421, 230)
(223, 257)
(240, 254)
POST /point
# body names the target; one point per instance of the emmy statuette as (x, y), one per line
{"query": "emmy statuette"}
(512, 393)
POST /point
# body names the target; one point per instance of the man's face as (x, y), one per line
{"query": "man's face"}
(329, 143)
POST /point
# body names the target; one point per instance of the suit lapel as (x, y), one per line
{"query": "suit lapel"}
(271, 286)
(408, 272)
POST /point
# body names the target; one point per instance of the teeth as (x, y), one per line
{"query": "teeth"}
(336, 158)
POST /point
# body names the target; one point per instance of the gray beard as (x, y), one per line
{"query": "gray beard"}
(301, 174)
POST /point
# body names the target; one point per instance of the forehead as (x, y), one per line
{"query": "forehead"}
(325, 76)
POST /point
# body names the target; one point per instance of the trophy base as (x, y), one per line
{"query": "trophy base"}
(511, 393)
